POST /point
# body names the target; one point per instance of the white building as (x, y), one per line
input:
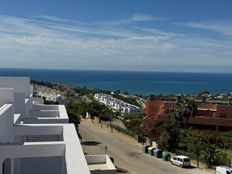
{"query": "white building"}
(116, 104)
(37, 138)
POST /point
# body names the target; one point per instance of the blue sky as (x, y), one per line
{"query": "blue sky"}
(144, 35)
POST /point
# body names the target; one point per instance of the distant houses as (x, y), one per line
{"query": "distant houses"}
(117, 105)
(49, 95)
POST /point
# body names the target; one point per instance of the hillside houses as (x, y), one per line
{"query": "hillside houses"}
(117, 105)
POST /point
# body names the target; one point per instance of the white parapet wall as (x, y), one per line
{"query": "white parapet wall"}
(19, 84)
(44, 107)
(22, 92)
(19, 104)
(32, 149)
(74, 155)
(44, 113)
(6, 123)
(37, 129)
(6, 96)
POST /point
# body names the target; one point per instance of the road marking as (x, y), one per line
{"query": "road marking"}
(194, 171)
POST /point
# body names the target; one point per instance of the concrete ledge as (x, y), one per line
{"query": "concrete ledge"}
(100, 163)
(37, 130)
(45, 121)
(44, 113)
(44, 107)
(32, 149)
(74, 156)
(95, 159)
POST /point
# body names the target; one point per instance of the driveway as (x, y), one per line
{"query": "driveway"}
(126, 151)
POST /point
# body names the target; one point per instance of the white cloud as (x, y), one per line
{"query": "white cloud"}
(135, 18)
(222, 27)
(143, 18)
(28, 42)
(53, 18)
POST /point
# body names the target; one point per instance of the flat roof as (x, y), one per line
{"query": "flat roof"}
(100, 166)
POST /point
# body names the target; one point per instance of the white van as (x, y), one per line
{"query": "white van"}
(182, 161)
(223, 170)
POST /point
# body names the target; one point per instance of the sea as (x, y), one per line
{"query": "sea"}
(143, 83)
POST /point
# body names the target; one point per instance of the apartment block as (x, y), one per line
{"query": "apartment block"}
(37, 138)
(211, 117)
(117, 105)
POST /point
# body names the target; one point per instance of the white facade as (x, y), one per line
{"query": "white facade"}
(61, 100)
(116, 104)
(38, 100)
(37, 138)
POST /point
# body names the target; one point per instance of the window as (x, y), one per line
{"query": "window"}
(186, 160)
(223, 115)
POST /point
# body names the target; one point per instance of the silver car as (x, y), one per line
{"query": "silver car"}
(181, 160)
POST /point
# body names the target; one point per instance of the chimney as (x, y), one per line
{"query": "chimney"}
(229, 101)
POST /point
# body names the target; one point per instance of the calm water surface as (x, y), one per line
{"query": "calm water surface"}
(133, 82)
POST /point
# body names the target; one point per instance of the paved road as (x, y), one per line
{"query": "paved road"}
(125, 151)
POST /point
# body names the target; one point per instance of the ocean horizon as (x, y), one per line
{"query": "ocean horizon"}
(134, 82)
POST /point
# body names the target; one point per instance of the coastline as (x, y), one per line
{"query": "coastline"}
(133, 82)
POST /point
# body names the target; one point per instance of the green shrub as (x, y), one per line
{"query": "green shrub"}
(221, 159)
(125, 131)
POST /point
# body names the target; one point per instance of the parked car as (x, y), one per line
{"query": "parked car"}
(223, 170)
(182, 161)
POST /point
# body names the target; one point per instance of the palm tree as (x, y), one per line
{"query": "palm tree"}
(188, 109)
(174, 114)
(171, 113)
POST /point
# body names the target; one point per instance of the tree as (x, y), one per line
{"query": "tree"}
(182, 112)
(193, 140)
(109, 115)
(169, 139)
(226, 138)
(209, 151)
(75, 119)
(174, 115)
(187, 109)
(133, 123)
